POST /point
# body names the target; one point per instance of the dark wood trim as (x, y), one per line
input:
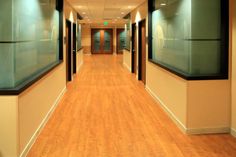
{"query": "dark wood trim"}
(13, 42)
(133, 48)
(127, 49)
(74, 32)
(61, 36)
(224, 45)
(79, 17)
(68, 51)
(141, 57)
(29, 82)
(80, 49)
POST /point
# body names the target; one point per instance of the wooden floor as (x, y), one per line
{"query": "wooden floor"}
(106, 112)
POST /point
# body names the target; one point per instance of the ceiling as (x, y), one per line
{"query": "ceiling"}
(112, 10)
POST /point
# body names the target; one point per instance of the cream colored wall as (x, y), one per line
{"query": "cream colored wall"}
(86, 38)
(233, 71)
(208, 106)
(9, 126)
(127, 59)
(79, 56)
(69, 12)
(139, 13)
(37, 101)
(170, 91)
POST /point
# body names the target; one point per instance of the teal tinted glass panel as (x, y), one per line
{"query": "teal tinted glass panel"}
(107, 41)
(127, 34)
(79, 36)
(186, 36)
(97, 41)
(7, 79)
(34, 42)
(122, 38)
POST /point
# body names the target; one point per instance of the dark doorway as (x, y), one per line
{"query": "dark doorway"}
(120, 40)
(102, 41)
(142, 51)
(74, 48)
(68, 51)
(134, 49)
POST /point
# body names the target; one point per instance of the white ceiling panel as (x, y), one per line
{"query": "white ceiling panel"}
(104, 9)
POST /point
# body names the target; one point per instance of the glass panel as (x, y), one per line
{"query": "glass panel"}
(127, 32)
(34, 41)
(122, 40)
(7, 79)
(186, 36)
(97, 42)
(78, 36)
(107, 41)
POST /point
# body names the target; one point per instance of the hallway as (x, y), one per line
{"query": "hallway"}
(106, 112)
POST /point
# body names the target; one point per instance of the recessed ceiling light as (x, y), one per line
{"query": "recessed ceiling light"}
(122, 13)
(163, 4)
(83, 12)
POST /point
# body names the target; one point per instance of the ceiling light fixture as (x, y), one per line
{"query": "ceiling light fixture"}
(83, 12)
(163, 4)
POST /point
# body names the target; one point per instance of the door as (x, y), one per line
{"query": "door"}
(68, 52)
(74, 48)
(120, 40)
(142, 51)
(134, 48)
(102, 40)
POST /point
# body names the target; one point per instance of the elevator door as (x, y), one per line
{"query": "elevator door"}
(102, 41)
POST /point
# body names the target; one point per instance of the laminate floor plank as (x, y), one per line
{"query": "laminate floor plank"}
(106, 112)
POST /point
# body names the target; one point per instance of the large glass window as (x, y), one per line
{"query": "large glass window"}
(29, 39)
(189, 37)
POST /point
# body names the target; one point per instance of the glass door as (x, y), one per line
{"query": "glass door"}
(121, 40)
(96, 43)
(102, 41)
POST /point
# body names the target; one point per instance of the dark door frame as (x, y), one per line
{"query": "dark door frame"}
(68, 52)
(118, 31)
(133, 49)
(74, 48)
(141, 54)
(102, 42)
